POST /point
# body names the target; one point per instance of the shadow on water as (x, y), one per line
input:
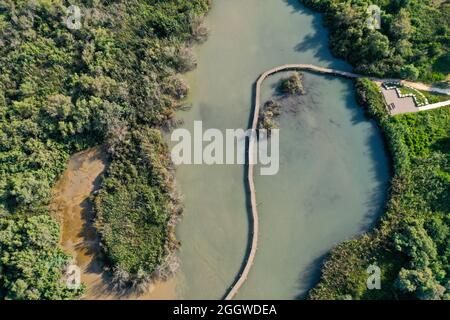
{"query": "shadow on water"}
(91, 238)
(380, 160)
(310, 276)
(379, 193)
(316, 42)
(248, 204)
(90, 243)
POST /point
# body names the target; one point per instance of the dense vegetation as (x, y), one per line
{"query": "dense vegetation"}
(268, 116)
(292, 84)
(137, 210)
(413, 41)
(63, 90)
(411, 245)
(31, 261)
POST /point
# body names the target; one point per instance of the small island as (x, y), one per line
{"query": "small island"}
(292, 85)
(269, 113)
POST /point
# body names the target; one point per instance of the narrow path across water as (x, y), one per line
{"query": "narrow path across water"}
(298, 204)
(254, 226)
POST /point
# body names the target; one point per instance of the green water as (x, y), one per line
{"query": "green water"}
(333, 172)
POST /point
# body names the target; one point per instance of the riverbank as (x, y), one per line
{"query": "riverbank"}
(303, 207)
(72, 207)
(117, 80)
(409, 244)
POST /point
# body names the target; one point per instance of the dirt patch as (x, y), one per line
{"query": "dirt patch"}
(72, 207)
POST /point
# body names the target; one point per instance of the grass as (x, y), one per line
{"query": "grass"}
(421, 100)
(435, 97)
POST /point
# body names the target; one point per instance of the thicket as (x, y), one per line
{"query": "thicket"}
(31, 261)
(137, 209)
(292, 84)
(64, 90)
(411, 244)
(413, 41)
(268, 115)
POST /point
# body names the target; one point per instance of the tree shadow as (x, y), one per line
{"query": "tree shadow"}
(381, 172)
(441, 145)
(318, 41)
(310, 276)
(248, 204)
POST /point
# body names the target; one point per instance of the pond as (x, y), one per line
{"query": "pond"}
(333, 172)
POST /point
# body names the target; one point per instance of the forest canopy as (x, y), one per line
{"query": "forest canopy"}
(412, 42)
(63, 90)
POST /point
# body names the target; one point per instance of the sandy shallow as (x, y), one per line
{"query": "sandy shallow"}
(72, 207)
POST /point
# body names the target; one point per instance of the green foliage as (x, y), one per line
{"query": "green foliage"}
(433, 97)
(411, 244)
(268, 115)
(442, 64)
(292, 84)
(30, 260)
(62, 91)
(421, 283)
(136, 204)
(413, 41)
(409, 71)
(414, 241)
(426, 132)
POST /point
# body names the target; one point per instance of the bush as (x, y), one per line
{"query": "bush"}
(31, 263)
(413, 41)
(292, 84)
(137, 206)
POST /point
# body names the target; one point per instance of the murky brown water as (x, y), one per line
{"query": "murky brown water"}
(72, 207)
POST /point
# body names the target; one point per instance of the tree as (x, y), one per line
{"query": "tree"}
(377, 47)
(401, 27)
(410, 72)
(27, 189)
(31, 262)
(416, 243)
(420, 283)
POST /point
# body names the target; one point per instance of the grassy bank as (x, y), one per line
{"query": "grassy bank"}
(63, 90)
(410, 244)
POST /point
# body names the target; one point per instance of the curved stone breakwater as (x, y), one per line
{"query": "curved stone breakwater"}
(254, 227)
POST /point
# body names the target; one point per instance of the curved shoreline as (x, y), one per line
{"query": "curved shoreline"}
(71, 205)
(254, 227)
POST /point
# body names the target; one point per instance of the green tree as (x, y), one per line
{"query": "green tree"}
(409, 71)
(31, 263)
(401, 27)
(420, 283)
(414, 241)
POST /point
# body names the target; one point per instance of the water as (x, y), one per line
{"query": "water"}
(333, 172)
(72, 206)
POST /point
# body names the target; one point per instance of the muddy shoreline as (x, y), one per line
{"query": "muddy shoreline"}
(72, 207)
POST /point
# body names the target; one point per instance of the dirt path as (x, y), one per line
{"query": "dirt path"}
(426, 87)
(72, 207)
